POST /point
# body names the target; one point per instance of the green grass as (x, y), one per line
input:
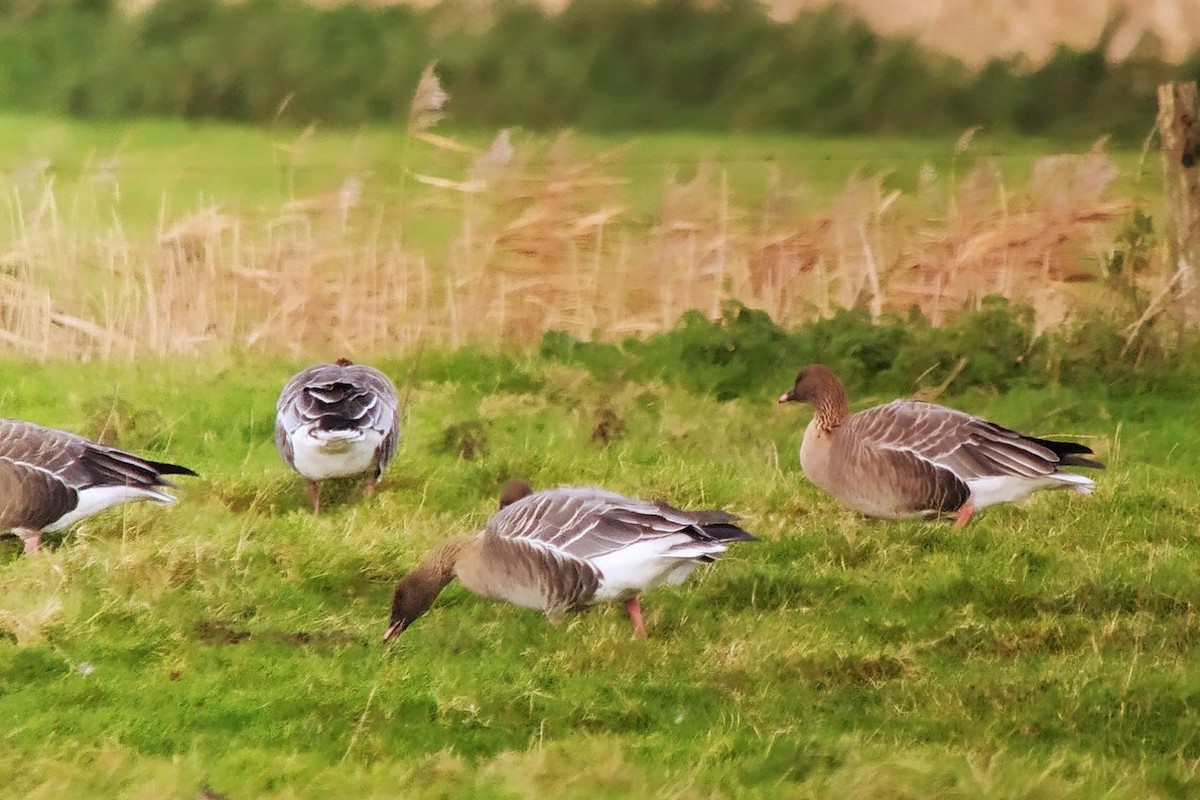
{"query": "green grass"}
(1047, 651)
(177, 167)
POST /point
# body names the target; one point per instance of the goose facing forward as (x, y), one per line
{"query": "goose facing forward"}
(336, 421)
(909, 458)
(562, 549)
(50, 479)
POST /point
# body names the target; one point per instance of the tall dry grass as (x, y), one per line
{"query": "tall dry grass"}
(545, 239)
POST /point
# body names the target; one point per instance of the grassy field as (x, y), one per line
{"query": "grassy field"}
(160, 282)
(233, 641)
(174, 168)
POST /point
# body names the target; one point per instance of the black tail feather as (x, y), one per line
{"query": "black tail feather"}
(727, 532)
(164, 468)
(714, 522)
(1076, 461)
(1070, 453)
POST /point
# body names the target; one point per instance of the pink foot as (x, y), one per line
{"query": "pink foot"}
(964, 516)
(635, 616)
(32, 539)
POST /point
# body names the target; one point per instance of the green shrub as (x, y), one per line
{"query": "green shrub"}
(738, 354)
(623, 64)
(863, 352)
(988, 347)
(995, 348)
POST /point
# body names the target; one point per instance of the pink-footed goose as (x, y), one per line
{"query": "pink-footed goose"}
(514, 490)
(50, 479)
(562, 549)
(336, 421)
(909, 458)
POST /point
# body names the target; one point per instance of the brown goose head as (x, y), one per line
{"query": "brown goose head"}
(513, 490)
(411, 599)
(417, 590)
(819, 387)
(813, 384)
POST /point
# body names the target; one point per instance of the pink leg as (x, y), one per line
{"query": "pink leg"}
(635, 616)
(32, 539)
(964, 516)
(314, 496)
(369, 487)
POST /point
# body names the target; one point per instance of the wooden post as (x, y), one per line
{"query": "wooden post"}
(1179, 127)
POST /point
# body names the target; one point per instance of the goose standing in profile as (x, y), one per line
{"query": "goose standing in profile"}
(909, 458)
(336, 421)
(562, 549)
(50, 479)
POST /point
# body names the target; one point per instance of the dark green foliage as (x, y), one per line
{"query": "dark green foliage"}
(257, 61)
(1088, 351)
(744, 353)
(1134, 248)
(852, 345)
(727, 358)
(992, 348)
(622, 64)
(987, 348)
(1100, 350)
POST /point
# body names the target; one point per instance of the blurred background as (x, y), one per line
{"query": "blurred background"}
(194, 175)
(1041, 68)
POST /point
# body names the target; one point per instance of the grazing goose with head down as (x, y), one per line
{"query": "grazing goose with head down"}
(335, 421)
(50, 479)
(514, 490)
(563, 549)
(909, 458)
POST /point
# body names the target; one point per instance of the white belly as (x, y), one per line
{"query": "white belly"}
(1011, 489)
(97, 499)
(643, 566)
(334, 454)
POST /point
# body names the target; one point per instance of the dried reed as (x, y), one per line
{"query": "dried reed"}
(546, 240)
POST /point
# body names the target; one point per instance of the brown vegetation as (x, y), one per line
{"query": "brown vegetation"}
(546, 242)
(976, 30)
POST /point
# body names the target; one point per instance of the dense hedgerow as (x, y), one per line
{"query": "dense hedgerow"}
(623, 64)
(993, 348)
